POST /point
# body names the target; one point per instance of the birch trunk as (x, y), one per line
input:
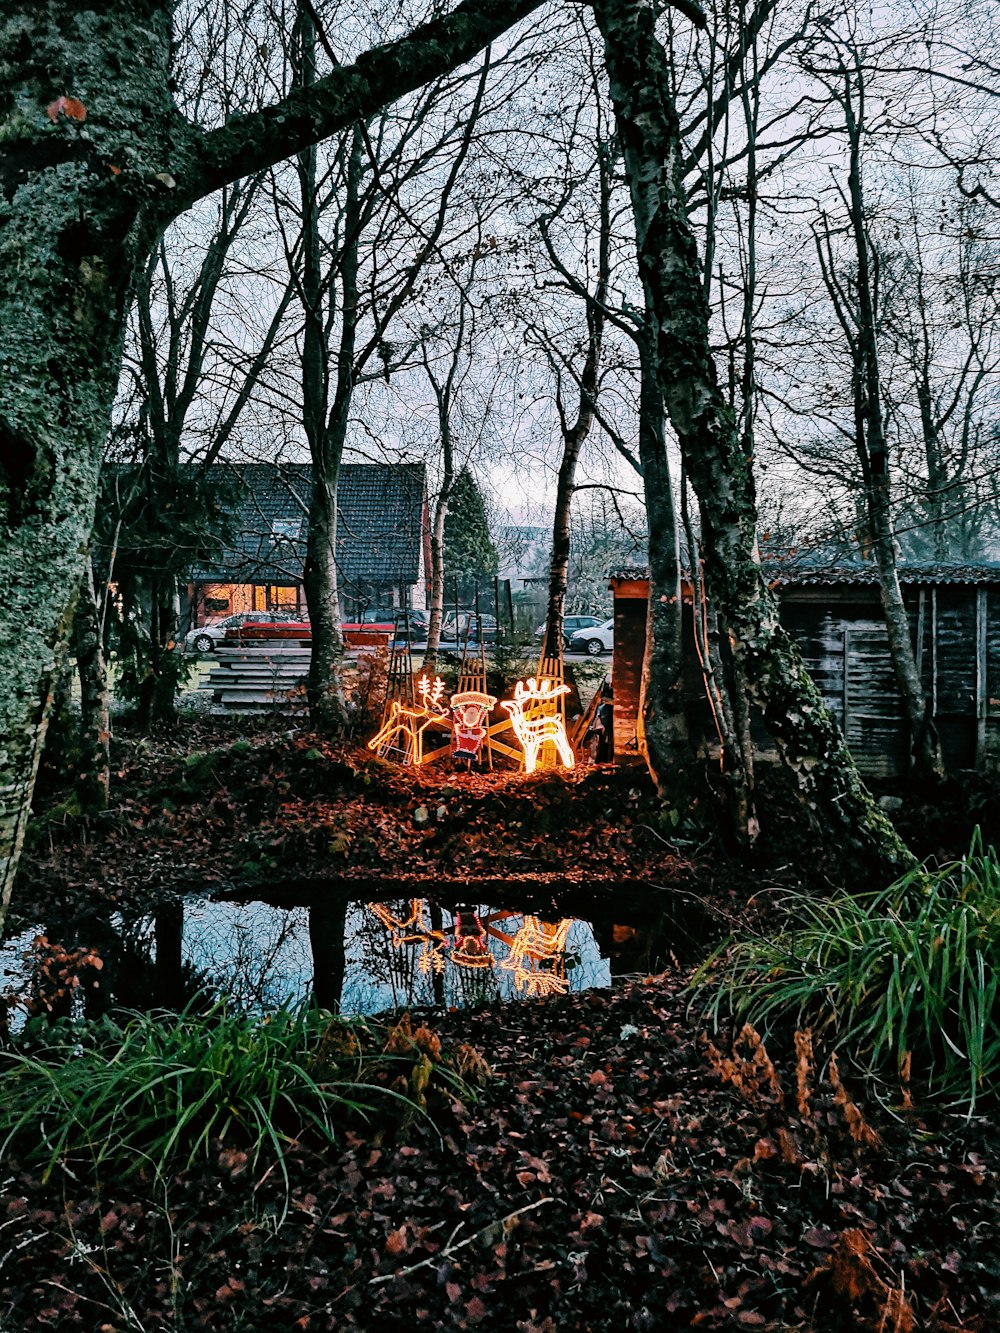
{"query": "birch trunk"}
(95, 710)
(873, 451)
(830, 793)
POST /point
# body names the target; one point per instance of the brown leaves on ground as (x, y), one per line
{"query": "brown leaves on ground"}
(606, 1179)
(284, 811)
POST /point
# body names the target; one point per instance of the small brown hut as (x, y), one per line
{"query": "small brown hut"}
(835, 614)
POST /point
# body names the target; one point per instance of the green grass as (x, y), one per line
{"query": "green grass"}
(159, 1090)
(912, 970)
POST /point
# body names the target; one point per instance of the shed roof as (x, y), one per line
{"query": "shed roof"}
(380, 520)
(789, 571)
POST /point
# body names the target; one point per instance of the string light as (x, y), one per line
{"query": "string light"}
(404, 728)
(470, 711)
(536, 722)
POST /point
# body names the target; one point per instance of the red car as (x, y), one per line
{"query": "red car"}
(273, 627)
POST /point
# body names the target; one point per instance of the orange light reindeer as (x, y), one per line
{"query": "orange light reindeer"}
(533, 722)
(404, 728)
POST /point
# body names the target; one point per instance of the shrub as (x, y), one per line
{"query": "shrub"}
(161, 1089)
(904, 981)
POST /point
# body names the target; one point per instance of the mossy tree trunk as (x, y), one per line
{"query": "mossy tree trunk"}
(830, 793)
(96, 160)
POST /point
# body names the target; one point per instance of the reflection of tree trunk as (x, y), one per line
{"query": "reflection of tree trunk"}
(828, 789)
(95, 716)
(168, 931)
(327, 924)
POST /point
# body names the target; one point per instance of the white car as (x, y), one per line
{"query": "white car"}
(594, 640)
(570, 626)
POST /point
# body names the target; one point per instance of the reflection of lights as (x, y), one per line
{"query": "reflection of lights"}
(431, 957)
(536, 958)
(404, 728)
(536, 721)
(536, 950)
(471, 948)
(405, 930)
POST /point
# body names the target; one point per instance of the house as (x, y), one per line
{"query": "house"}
(834, 613)
(383, 540)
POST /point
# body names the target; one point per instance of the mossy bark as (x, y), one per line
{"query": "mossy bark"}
(95, 160)
(830, 792)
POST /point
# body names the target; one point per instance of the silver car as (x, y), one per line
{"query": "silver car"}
(206, 638)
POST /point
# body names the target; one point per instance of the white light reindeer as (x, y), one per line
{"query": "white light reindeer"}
(534, 723)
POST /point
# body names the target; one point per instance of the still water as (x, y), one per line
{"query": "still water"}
(357, 957)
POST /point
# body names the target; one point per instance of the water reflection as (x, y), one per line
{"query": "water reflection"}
(535, 950)
(347, 955)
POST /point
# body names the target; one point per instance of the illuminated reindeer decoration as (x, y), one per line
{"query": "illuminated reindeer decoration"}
(534, 722)
(404, 728)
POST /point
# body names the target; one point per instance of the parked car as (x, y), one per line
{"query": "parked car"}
(454, 628)
(272, 625)
(206, 638)
(570, 626)
(595, 640)
(391, 620)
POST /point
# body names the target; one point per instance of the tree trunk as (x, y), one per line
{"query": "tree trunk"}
(573, 439)
(830, 792)
(69, 243)
(443, 398)
(436, 609)
(873, 452)
(327, 708)
(664, 736)
(94, 783)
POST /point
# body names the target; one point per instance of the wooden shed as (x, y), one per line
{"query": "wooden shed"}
(835, 614)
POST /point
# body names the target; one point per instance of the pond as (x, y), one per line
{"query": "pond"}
(355, 956)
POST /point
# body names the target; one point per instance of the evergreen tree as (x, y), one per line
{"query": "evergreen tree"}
(470, 554)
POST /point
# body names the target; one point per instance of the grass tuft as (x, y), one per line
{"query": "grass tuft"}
(904, 981)
(158, 1090)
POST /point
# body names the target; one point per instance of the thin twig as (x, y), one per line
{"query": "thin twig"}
(449, 1250)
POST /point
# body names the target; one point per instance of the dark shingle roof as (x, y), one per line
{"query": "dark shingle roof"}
(783, 573)
(379, 528)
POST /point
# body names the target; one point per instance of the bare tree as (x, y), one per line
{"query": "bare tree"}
(828, 785)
